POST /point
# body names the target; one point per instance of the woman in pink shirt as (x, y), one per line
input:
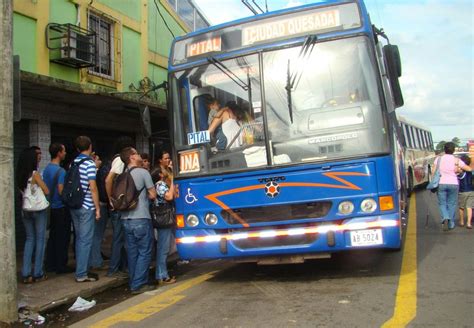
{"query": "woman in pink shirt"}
(449, 166)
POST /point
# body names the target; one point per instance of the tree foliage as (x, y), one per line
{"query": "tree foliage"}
(440, 145)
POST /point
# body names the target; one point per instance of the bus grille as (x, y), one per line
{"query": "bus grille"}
(275, 242)
(285, 212)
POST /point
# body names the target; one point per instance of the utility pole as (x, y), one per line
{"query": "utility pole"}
(8, 280)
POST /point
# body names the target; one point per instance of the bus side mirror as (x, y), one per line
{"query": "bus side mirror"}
(394, 69)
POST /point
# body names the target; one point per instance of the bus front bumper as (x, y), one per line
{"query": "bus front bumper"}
(326, 237)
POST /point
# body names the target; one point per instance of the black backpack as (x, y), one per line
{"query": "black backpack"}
(73, 195)
(100, 179)
(124, 193)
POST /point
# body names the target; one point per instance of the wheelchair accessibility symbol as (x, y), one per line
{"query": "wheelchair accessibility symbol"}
(190, 198)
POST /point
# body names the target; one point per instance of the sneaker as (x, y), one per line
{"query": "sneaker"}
(118, 275)
(167, 281)
(42, 278)
(142, 289)
(445, 225)
(91, 277)
(182, 262)
(27, 280)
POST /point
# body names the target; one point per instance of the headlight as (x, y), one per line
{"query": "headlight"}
(210, 219)
(346, 207)
(368, 205)
(192, 220)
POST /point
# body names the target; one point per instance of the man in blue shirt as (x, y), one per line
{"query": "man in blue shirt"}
(60, 220)
(83, 218)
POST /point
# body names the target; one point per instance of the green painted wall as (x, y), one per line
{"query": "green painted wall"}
(158, 74)
(130, 8)
(24, 41)
(131, 58)
(62, 12)
(159, 38)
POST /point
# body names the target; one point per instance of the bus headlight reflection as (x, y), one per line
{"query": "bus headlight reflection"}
(368, 205)
(346, 207)
(192, 220)
(210, 219)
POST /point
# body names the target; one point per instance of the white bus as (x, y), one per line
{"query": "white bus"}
(419, 153)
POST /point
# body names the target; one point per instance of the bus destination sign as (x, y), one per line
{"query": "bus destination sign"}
(204, 46)
(290, 26)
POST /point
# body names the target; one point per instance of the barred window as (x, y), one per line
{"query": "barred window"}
(104, 56)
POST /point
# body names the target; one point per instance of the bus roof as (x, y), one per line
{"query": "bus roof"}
(413, 123)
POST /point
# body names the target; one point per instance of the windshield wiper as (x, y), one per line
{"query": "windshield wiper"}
(292, 80)
(288, 88)
(231, 75)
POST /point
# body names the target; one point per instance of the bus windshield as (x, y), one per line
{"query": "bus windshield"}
(317, 102)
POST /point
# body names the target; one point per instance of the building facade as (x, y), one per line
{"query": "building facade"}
(88, 67)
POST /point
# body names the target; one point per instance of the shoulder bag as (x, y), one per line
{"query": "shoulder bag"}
(162, 216)
(434, 182)
(34, 198)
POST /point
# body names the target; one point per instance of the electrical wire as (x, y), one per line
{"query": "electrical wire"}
(164, 20)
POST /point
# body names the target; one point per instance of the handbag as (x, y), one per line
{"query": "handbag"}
(34, 198)
(162, 216)
(434, 182)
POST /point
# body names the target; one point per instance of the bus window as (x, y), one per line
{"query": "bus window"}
(323, 104)
(235, 83)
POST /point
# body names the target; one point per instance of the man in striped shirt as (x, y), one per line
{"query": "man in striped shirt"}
(83, 218)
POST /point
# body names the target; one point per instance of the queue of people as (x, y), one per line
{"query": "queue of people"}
(133, 236)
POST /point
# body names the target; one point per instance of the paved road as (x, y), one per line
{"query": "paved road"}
(428, 284)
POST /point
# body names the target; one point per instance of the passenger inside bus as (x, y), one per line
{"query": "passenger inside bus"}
(230, 118)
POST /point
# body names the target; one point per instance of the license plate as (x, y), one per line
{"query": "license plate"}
(366, 237)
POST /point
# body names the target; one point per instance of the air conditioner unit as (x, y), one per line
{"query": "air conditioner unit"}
(78, 47)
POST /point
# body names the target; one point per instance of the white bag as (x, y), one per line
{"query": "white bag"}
(34, 198)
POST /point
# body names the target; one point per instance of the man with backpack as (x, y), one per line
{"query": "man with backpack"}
(60, 219)
(81, 196)
(130, 194)
(118, 258)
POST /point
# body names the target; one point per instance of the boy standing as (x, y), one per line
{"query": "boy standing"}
(60, 219)
(466, 195)
(84, 217)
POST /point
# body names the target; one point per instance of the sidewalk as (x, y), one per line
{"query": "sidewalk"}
(62, 289)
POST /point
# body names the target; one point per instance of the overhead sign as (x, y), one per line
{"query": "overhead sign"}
(317, 19)
(204, 46)
(189, 161)
(286, 27)
(199, 137)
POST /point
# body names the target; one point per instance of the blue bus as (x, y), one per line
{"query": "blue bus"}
(305, 159)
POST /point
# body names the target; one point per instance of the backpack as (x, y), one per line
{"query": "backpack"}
(124, 192)
(73, 195)
(100, 179)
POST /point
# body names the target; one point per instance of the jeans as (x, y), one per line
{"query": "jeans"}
(448, 202)
(59, 238)
(95, 259)
(118, 258)
(139, 238)
(162, 251)
(84, 224)
(35, 227)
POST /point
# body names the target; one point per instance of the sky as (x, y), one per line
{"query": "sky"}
(436, 43)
